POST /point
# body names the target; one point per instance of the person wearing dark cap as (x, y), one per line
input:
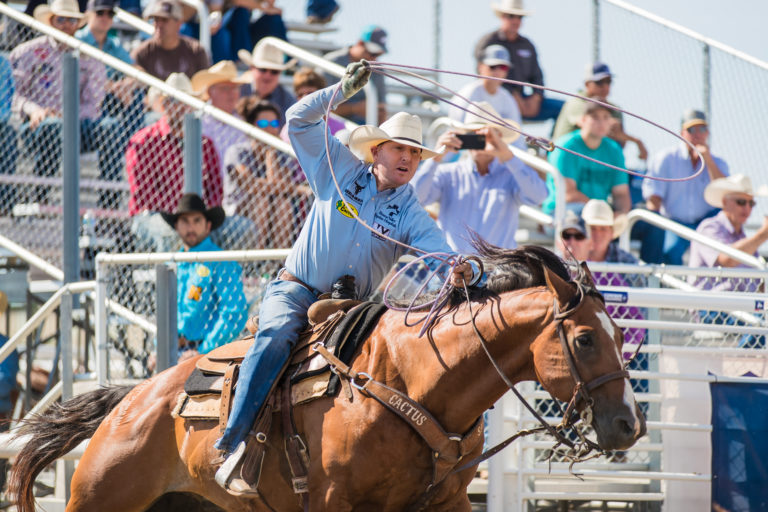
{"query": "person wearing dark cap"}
(683, 201)
(167, 51)
(211, 307)
(371, 45)
(597, 85)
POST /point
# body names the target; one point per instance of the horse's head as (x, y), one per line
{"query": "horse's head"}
(579, 357)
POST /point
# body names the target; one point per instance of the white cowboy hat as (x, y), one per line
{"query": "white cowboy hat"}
(178, 81)
(476, 119)
(515, 7)
(221, 72)
(599, 213)
(64, 8)
(265, 56)
(401, 127)
(736, 184)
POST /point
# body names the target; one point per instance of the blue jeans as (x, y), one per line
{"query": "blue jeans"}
(651, 240)
(232, 35)
(320, 8)
(550, 109)
(8, 156)
(282, 316)
(8, 370)
(102, 135)
(675, 247)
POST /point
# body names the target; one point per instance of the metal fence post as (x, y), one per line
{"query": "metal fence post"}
(193, 154)
(70, 157)
(100, 312)
(654, 387)
(595, 30)
(167, 336)
(706, 79)
(67, 377)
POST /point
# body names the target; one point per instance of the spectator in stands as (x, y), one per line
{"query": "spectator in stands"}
(155, 169)
(683, 201)
(37, 101)
(604, 228)
(574, 242)
(258, 172)
(320, 12)
(7, 135)
(597, 85)
(266, 63)
(736, 198)
(220, 86)
(306, 81)
(495, 62)
(482, 193)
(371, 45)
(211, 307)
(167, 51)
(525, 63)
(585, 180)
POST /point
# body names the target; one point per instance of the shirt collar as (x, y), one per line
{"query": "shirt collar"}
(726, 222)
(205, 245)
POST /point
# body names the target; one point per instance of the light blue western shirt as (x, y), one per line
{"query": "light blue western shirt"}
(332, 243)
(682, 201)
(211, 307)
(487, 204)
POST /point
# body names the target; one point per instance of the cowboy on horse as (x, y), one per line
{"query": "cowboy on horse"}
(333, 243)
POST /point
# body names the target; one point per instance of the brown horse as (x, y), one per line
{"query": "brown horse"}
(362, 456)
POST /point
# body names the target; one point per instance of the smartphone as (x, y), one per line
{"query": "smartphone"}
(471, 140)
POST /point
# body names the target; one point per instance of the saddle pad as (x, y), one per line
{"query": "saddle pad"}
(201, 383)
(200, 407)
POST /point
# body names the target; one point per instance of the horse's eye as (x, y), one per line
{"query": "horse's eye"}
(583, 341)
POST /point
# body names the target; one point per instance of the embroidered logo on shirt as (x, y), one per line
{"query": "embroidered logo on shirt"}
(195, 292)
(203, 271)
(524, 53)
(355, 195)
(381, 229)
(343, 209)
(395, 210)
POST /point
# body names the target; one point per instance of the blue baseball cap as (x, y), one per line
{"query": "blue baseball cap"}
(597, 71)
(495, 55)
(375, 39)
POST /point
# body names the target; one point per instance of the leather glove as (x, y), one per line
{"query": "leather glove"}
(355, 77)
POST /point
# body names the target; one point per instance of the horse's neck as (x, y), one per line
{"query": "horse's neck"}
(448, 371)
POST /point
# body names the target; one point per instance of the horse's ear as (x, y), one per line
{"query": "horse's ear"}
(588, 279)
(558, 286)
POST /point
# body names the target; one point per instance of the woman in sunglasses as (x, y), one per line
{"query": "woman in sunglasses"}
(261, 183)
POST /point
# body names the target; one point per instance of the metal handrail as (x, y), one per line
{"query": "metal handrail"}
(134, 21)
(154, 258)
(32, 259)
(371, 97)
(204, 24)
(687, 233)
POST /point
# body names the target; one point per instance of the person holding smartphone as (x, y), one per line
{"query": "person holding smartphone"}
(483, 191)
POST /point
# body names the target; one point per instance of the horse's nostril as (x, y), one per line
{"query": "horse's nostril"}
(625, 426)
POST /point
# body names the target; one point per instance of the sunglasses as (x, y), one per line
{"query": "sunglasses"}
(699, 128)
(744, 202)
(105, 12)
(512, 16)
(263, 123)
(575, 236)
(502, 67)
(271, 71)
(604, 81)
(61, 20)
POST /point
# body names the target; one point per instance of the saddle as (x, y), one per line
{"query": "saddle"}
(340, 325)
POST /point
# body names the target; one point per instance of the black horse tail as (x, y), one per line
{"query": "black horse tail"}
(55, 433)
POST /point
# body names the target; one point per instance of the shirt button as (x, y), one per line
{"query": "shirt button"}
(350, 266)
(358, 244)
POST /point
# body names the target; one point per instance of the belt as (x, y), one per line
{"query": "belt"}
(284, 275)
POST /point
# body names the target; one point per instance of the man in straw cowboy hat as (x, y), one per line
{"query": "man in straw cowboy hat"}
(220, 86)
(333, 243)
(37, 101)
(483, 192)
(267, 63)
(525, 63)
(683, 201)
(167, 51)
(736, 198)
(154, 167)
(211, 306)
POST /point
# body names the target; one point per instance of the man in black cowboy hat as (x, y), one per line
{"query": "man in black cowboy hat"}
(211, 307)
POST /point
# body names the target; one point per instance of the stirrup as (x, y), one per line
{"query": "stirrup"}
(228, 475)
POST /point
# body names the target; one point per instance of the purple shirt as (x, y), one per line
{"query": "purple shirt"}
(37, 76)
(718, 228)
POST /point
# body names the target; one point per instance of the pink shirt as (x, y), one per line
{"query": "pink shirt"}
(37, 76)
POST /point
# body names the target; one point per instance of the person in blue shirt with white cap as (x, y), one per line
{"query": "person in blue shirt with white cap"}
(332, 242)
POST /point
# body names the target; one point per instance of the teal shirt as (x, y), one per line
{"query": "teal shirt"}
(111, 47)
(211, 307)
(593, 180)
